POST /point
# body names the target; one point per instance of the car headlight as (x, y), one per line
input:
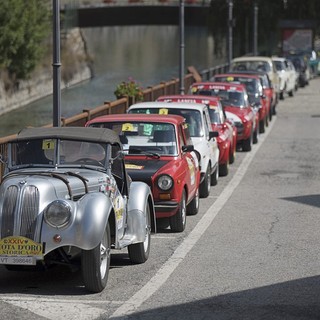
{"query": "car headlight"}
(165, 182)
(58, 213)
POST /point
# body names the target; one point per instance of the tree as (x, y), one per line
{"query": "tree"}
(24, 25)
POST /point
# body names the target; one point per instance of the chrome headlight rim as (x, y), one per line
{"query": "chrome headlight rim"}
(58, 213)
(165, 182)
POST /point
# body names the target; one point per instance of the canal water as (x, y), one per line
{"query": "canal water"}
(148, 54)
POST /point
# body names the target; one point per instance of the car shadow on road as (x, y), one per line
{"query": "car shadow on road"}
(296, 299)
(309, 199)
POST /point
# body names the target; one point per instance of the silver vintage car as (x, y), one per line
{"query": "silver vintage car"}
(65, 198)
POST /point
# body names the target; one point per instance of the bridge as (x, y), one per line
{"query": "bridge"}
(98, 13)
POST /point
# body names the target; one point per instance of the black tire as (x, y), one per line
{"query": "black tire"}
(247, 144)
(193, 206)
(205, 184)
(255, 136)
(139, 252)
(281, 96)
(224, 169)
(215, 176)
(232, 155)
(291, 94)
(261, 126)
(266, 121)
(95, 264)
(178, 221)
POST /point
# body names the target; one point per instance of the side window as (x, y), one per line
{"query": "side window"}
(186, 134)
(207, 123)
(117, 167)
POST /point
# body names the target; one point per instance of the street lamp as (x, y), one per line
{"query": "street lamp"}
(56, 64)
(230, 29)
(255, 28)
(182, 46)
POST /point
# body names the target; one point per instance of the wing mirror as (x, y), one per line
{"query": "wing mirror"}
(213, 134)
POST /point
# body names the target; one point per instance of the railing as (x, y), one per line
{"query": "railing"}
(121, 105)
(98, 3)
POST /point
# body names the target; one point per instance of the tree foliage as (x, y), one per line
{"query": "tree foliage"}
(23, 27)
(269, 14)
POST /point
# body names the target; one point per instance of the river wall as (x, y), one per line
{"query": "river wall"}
(76, 67)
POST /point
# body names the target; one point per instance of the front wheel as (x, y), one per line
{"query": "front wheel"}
(246, 144)
(193, 206)
(95, 264)
(215, 176)
(139, 252)
(178, 221)
(205, 184)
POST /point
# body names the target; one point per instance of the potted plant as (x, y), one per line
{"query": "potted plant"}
(129, 89)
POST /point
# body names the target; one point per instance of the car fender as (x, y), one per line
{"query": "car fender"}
(139, 197)
(88, 222)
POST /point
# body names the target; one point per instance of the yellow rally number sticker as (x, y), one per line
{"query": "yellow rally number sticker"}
(163, 111)
(48, 144)
(127, 127)
(20, 246)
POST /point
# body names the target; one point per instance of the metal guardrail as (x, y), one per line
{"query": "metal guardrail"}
(99, 3)
(121, 105)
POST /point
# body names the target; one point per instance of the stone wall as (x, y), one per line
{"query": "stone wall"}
(75, 68)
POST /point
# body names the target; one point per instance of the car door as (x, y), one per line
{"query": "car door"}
(190, 163)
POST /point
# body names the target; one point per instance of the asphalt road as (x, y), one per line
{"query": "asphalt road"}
(250, 253)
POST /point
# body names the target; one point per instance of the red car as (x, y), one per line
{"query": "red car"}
(255, 93)
(159, 151)
(227, 139)
(235, 99)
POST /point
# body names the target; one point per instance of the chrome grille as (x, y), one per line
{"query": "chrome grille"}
(29, 211)
(25, 220)
(9, 207)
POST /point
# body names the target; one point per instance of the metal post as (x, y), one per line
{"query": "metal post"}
(255, 29)
(230, 35)
(182, 46)
(56, 64)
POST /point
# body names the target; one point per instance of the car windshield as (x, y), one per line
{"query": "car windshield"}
(251, 65)
(228, 97)
(144, 137)
(252, 85)
(279, 65)
(52, 152)
(192, 117)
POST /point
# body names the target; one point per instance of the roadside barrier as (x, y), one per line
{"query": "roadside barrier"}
(151, 93)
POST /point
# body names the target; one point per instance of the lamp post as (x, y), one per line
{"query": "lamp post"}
(182, 46)
(255, 28)
(56, 64)
(230, 29)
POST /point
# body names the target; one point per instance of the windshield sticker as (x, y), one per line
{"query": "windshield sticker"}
(48, 144)
(194, 89)
(128, 127)
(163, 111)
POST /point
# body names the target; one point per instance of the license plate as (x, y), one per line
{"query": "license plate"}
(23, 261)
(20, 251)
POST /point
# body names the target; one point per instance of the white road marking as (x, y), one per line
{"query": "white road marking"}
(180, 253)
(81, 310)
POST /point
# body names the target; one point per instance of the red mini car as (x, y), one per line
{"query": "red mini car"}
(255, 93)
(159, 151)
(227, 139)
(234, 98)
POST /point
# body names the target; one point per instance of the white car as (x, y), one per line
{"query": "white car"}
(202, 136)
(287, 75)
(258, 63)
